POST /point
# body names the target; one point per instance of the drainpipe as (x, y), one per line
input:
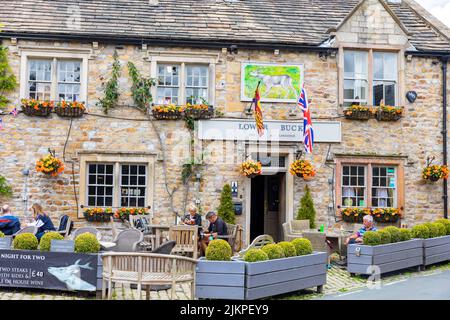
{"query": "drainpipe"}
(444, 60)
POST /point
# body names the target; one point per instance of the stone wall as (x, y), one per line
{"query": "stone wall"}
(417, 135)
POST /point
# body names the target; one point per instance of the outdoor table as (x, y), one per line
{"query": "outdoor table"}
(107, 245)
(335, 236)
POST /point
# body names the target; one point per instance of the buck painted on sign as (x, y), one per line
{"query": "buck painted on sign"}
(71, 276)
(284, 81)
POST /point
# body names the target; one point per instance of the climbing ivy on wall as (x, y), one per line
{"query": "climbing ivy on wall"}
(112, 87)
(7, 79)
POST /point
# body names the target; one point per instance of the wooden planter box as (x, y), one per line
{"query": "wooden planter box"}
(388, 116)
(50, 270)
(199, 113)
(358, 115)
(41, 112)
(363, 259)
(241, 280)
(436, 250)
(69, 112)
(173, 115)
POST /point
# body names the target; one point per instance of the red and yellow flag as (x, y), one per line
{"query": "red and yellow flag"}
(258, 113)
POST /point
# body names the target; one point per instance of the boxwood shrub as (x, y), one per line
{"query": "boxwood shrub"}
(445, 223)
(420, 231)
(46, 240)
(371, 238)
(433, 230)
(288, 249)
(385, 236)
(218, 250)
(405, 234)
(2, 235)
(86, 243)
(25, 241)
(274, 251)
(442, 231)
(255, 255)
(394, 232)
(302, 246)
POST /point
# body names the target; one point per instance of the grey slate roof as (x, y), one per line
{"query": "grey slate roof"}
(296, 22)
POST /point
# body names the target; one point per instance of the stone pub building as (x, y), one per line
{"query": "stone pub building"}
(344, 52)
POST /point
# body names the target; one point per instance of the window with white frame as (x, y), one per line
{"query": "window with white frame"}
(116, 184)
(384, 78)
(384, 187)
(353, 186)
(182, 83)
(355, 77)
(54, 79)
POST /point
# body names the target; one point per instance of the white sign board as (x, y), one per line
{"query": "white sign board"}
(275, 130)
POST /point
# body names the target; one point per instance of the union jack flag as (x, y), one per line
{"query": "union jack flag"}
(14, 112)
(308, 132)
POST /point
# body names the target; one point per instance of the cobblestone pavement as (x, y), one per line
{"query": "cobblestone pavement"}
(338, 281)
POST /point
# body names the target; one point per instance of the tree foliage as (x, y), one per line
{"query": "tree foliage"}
(306, 210)
(226, 208)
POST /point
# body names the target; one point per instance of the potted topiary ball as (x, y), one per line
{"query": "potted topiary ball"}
(86, 243)
(420, 231)
(288, 249)
(394, 232)
(255, 255)
(405, 234)
(446, 224)
(25, 241)
(371, 238)
(302, 246)
(385, 236)
(273, 251)
(218, 250)
(47, 238)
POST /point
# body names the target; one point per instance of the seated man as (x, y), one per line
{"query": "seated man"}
(9, 224)
(358, 236)
(217, 227)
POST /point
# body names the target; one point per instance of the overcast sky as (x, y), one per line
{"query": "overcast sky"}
(439, 8)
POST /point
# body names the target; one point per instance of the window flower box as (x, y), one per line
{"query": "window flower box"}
(357, 112)
(98, 214)
(240, 280)
(167, 112)
(71, 109)
(389, 113)
(199, 111)
(383, 258)
(32, 107)
(381, 215)
(124, 213)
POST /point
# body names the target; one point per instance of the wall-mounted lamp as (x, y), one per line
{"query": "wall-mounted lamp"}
(276, 52)
(198, 176)
(233, 49)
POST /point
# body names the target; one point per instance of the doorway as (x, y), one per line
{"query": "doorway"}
(267, 206)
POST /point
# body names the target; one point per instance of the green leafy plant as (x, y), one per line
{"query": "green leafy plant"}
(141, 88)
(8, 80)
(371, 238)
(432, 229)
(47, 238)
(288, 249)
(385, 236)
(218, 250)
(302, 246)
(2, 235)
(446, 223)
(306, 210)
(394, 232)
(255, 255)
(420, 231)
(405, 234)
(5, 188)
(86, 243)
(226, 207)
(442, 231)
(25, 241)
(273, 251)
(112, 87)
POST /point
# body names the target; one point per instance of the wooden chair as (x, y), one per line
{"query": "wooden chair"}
(147, 269)
(258, 243)
(67, 229)
(232, 230)
(81, 230)
(127, 240)
(186, 238)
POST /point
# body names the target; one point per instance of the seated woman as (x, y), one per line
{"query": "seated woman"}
(42, 221)
(192, 218)
(358, 236)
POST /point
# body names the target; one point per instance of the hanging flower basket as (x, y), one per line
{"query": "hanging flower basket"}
(70, 109)
(357, 112)
(435, 172)
(199, 111)
(98, 214)
(251, 168)
(124, 213)
(389, 113)
(50, 165)
(302, 169)
(32, 107)
(167, 112)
